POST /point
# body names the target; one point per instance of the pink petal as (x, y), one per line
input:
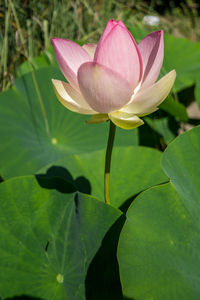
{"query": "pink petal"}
(70, 56)
(90, 49)
(152, 52)
(108, 28)
(104, 90)
(119, 52)
(122, 24)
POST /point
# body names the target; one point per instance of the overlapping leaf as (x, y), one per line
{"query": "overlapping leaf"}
(133, 170)
(48, 239)
(159, 244)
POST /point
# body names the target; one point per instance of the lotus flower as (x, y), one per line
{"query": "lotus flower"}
(115, 79)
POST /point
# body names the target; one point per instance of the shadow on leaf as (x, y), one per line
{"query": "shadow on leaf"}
(125, 205)
(158, 130)
(60, 179)
(102, 280)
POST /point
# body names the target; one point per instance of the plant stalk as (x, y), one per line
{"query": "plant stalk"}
(108, 162)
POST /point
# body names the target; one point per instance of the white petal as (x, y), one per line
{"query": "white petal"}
(71, 98)
(147, 99)
(125, 120)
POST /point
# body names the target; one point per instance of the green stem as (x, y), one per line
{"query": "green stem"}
(108, 162)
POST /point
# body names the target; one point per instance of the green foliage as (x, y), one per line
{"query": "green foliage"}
(139, 169)
(163, 126)
(159, 245)
(48, 239)
(57, 241)
(182, 55)
(51, 240)
(46, 59)
(175, 108)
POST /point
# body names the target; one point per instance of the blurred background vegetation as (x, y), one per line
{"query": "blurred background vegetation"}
(26, 26)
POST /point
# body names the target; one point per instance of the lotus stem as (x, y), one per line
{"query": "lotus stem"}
(109, 148)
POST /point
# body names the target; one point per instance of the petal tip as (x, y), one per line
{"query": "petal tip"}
(54, 40)
(172, 74)
(157, 32)
(118, 44)
(112, 21)
(161, 32)
(121, 24)
(174, 71)
(54, 81)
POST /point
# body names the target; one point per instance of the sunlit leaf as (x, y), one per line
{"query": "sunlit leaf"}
(159, 244)
(133, 169)
(48, 239)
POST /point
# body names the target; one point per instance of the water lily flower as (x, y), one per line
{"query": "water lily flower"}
(115, 79)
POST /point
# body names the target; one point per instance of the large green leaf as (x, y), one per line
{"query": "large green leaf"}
(181, 162)
(133, 170)
(35, 129)
(182, 55)
(48, 239)
(159, 245)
